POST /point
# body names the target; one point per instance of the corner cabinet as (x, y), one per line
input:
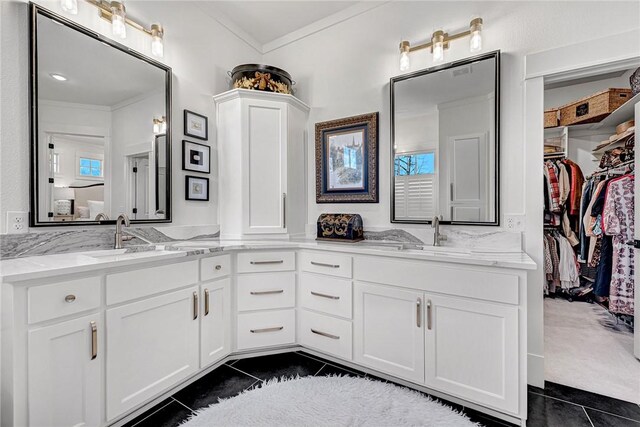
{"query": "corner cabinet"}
(261, 139)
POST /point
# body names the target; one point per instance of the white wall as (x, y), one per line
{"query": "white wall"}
(363, 52)
(416, 133)
(199, 50)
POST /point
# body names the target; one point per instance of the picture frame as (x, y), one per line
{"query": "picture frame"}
(347, 160)
(196, 188)
(196, 157)
(196, 125)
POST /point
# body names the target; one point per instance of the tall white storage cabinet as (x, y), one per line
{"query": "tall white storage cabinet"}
(261, 140)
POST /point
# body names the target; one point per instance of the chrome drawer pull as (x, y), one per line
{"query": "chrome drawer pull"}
(266, 262)
(324, 295)
(429, 314)
(324, 334)
(322, 264)
(258, 331)
(94, 340)
(418, 312)
(195, 305)
(70, 298)
(218, 267)
(277, 291)
(206, 302)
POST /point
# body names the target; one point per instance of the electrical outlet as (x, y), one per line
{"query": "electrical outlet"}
(17, 222)
(514, 222)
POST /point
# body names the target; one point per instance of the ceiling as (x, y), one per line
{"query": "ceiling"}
(267, 25)
(97, 74)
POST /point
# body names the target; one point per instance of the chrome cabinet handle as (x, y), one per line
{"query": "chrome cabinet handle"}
(322, 264)
(318, 294)
(284, 210)
(266, 262)
(418, 312)
(324, 334)
(195, 305)
(276, 291)
(206, 302)
(94, 340)
(429, 314)
(259, 331)
(218, 267)
(70, 298)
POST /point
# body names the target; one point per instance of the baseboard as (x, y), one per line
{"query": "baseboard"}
(535, 370)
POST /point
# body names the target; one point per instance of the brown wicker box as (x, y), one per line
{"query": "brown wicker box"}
(551, 118)
(594, 108)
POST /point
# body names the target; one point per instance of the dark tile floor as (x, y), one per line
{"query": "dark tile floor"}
(556, 405)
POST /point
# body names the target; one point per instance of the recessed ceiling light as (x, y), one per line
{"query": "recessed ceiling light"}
(58, 77)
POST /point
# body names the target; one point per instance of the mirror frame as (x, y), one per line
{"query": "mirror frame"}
(34, 12)
(490, 55)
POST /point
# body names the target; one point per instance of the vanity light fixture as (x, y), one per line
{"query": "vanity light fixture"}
(115, 12)
(69, 6)
(159, 125)
(58, 77)
(440, 42)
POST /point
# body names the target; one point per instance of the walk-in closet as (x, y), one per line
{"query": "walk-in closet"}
(589, 214)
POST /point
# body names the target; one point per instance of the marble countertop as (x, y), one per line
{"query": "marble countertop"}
(36, 267)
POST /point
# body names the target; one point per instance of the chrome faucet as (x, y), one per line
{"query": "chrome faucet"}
(123, 219)
(437, 237)
(102, 216)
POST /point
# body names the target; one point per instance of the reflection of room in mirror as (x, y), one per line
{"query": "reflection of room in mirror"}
(96, 129)
(444, 144)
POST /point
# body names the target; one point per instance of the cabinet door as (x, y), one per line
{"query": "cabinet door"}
(265, 172)
(389, 330)
(215, 322)
(153, 344)
(472, 350)
(64, 374)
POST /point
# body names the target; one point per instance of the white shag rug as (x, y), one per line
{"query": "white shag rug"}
(328, 401)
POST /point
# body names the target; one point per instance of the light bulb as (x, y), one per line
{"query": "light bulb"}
(157, 44)
(475, 28)
(118, 26)
(438, 46)
(69, 6)
(405, 61)
(156, 126)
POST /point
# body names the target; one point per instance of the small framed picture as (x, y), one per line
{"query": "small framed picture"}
(196, 125)
(196, 188)
(196, 157)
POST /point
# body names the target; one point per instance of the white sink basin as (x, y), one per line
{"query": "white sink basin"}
(124, 254)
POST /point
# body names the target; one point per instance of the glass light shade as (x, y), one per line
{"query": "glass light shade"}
(438, 51)
(118, 25)
(69, 6)
(163, 127)
(157, 46)
(405, 62)
(156, 127)
(475, 43)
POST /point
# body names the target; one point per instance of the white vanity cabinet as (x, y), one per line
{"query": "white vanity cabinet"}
(64, 365)
(215, 321)
(261, 151)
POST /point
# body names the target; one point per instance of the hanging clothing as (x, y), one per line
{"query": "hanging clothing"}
(551, 174)
(603, 269)
(568, 268)
(587, 188)
(618, 220)
(575, 193)
(564, 185)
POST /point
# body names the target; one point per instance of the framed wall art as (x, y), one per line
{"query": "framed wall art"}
(196, 125)
(196, 157)
(196, 188)
(347, 160)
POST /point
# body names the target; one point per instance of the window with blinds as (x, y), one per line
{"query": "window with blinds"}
(415, 186)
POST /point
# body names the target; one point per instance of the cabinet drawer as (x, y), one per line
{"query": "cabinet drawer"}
(64, 298)
(255, 262)
(215, 267)
(327, 334)
(149, 281)
(266, 329)
(326, 294)
(266, 291)
(318, 262)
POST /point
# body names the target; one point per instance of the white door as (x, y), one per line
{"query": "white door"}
(152, 345)
(468, 177)
(472, 350)
(265, 175)
(389, 330)
(215, 322)
(64, 373)
(636, 347)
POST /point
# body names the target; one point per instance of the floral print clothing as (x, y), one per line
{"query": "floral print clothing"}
(618, 217)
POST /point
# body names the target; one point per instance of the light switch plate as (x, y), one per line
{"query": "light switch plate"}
(514, 222)
(17, 222)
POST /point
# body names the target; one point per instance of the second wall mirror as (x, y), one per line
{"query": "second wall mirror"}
(445, 143)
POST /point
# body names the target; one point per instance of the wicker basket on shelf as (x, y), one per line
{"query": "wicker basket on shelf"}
(594, 108)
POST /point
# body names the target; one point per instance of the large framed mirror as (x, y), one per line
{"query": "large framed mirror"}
(445, 135)
(100, 128)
